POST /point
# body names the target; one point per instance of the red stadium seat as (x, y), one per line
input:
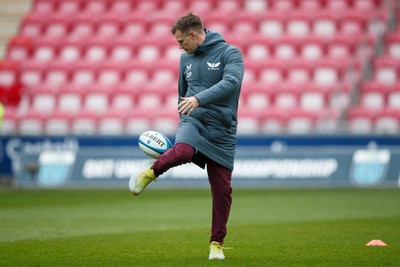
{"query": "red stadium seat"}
(96, 6)
(59, 123)
(122, 6)
(109, 26)
(57, 75)
(84, 26)
(44, 6)
(273, 121)
(360, 120)
(167, 121)
(386, 70)
(85, 123)
(112, 123)
(123, 98)
(32, 25)
(388, 121)
(96, 99)
(9, 124)
(138, 121)
(44, 100)
(71, 6)
(84, 74)
(325, 24)
(70, 100)
(19, 48)
(31, 123)
(58, 26)
(71, 50)
(312, 48)
(299, 24)
(393, 44)
(32, 73)
(272, 24)
(301, 121)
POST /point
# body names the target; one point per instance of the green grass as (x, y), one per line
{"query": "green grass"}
(171, 228)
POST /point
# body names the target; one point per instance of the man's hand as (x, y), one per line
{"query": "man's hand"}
(187, 105)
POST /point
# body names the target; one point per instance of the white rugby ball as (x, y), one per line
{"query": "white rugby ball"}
(154, 143)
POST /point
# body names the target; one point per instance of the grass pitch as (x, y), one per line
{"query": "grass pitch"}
(171, 228)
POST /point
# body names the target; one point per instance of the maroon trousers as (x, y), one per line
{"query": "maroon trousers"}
(220, 181)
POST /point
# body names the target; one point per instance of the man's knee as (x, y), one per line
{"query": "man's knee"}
(184, 152)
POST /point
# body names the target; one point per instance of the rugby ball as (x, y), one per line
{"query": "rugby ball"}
(154, 143)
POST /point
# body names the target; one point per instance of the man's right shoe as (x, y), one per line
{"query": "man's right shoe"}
(216, 251)
(138, 183)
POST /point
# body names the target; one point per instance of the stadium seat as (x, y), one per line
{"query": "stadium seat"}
(312, 99)
(31, 123)
(58, 26)
(299, 72)
(301, 121)
(84, 123)
(96, 99)
(274, 121)
(59, 123)
(70, 99)
(109, 26)
(84, 74)
(167, 121)
(385, 70)
(44, 6)
(57, 75)
(282, 5)
(393, 98)
(121, 6)
(325, 24)
(9, 124)
(134, 25)
(312, 48)
(97, 50)
(112, 123)
(70, 6)
(96, 6)
(19, 48)
(32, 73)
(44, 100)
(32, 25)
(71, 50)
(272, 71)
(84, 26)
(272, 24)
(138, 121)
(373, 98)
(299, 24)
(248, 121)
(286, 48)
(393, 44)
(286, 97)
(45, 50)
(109, 74)
(388, 121)
(360, 120)
(122, 99)
(136, 75)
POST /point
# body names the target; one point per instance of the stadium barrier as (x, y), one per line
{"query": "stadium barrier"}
(273, 161)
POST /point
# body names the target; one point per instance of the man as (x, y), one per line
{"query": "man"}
(211, 73)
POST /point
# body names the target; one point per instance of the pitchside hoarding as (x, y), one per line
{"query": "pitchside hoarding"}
(269, 162)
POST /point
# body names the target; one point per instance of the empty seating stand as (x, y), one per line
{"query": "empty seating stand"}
(98, 66)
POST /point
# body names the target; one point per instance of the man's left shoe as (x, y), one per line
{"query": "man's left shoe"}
(138, 183)
(216, 251)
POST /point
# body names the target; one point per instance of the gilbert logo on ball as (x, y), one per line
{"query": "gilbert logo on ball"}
(154, 143)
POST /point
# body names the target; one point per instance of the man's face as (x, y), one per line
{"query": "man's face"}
(187, 41)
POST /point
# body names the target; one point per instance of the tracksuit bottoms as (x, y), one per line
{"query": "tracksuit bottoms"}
(219, 178)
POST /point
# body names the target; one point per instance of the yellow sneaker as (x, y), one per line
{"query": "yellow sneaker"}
(138, 183)
(216, 251)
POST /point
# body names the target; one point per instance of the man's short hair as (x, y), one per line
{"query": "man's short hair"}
(189, 22)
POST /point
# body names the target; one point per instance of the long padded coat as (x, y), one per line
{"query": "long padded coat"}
(213, 74)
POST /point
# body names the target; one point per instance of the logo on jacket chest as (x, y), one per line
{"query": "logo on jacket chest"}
(213, 66)
(188, 71)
